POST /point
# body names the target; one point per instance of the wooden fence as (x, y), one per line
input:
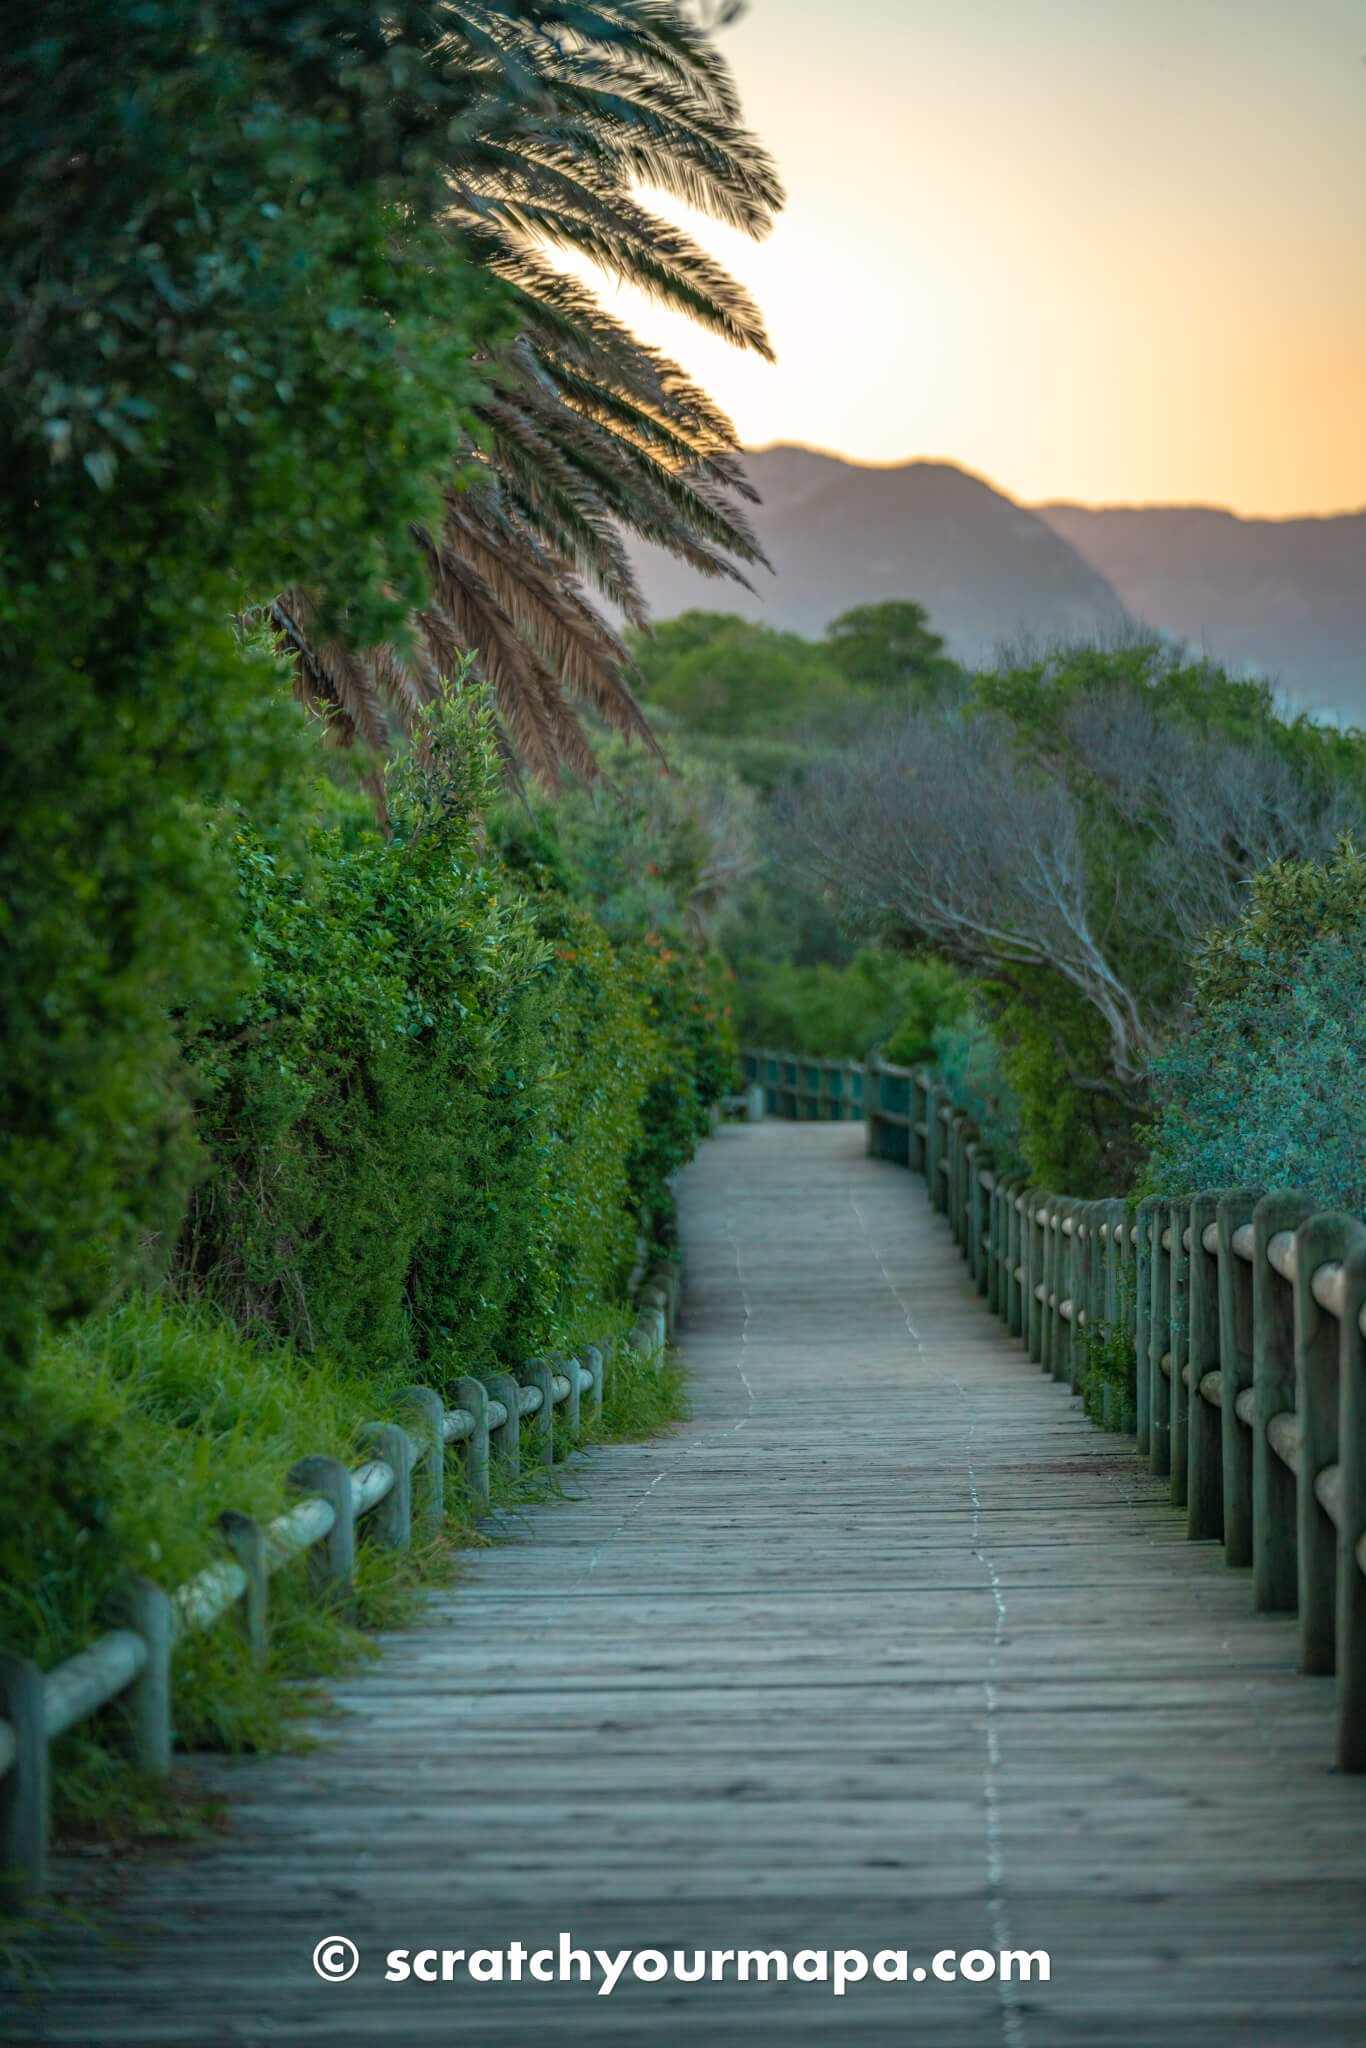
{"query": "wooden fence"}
(813, 1091)
(398, 1491)
(1226, 1330)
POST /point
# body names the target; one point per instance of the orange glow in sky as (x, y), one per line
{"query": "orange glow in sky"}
(1114, 253)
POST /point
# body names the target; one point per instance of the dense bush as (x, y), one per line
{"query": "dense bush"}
(877, 1000)
(1268, 1085)
(967, 1054)
(232, 359)
(644, 859)
(723, 675)
(427, 1133)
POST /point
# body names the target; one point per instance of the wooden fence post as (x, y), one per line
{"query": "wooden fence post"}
(1143, 1319)
(1178, 1396)
(1053, 1242)
(1119, 1411)
(976, 1161)
(1077, 1273)
(592, 1356)
(24, 1786)
(1094, 1253)
(1351, 1609)
(1153, 1214)
(959, 1133)
(1275, 1515)
(936, 1149)
(390, 1522)
(1204, 1421)
(505, 1439)
(331, 1563)
(915, 1138)
(537, 1372)
(872, 1102)
(1035, 1245)
(998, 1229)
(148, 1698)
(427, 1479)
(473, 1396)
(1017, 1191)
(1236, 1208)
(245, 1538)
(1318, 1351)
(568, 1364)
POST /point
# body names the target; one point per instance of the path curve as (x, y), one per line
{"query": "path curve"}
(885, 1648)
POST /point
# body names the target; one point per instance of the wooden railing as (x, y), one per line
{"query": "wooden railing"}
(1243, 1316)
(812, 1091)
(399, 1491)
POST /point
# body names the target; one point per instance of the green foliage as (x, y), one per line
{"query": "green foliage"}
(655, 845)
(878, 999)
(1293, 906)
(1109, 1376)
(651, 852)
(1080, 1116)
(726, 676)
(968, 1055)
(134, 1431)
(1268, 1085)
(1072, 1133)
(235, 357)
(681, 994)
(889, 649)
(606, 1067)
(641, 1397)
(429, 1128)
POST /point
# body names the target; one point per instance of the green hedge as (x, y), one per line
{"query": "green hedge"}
(427, 1135)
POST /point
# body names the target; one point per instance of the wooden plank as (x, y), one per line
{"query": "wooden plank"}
(886, 1646)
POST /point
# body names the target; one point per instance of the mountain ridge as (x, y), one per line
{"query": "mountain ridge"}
(1285, 598)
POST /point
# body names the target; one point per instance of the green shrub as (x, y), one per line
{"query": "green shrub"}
(1268, 1085)
(427, 1136)
(129, 1437)
(605, 1062)
(970, 1064)
(878, 999)
(239, 353)
(698, 1065)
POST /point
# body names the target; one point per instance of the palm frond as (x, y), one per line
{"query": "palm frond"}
(568, 110)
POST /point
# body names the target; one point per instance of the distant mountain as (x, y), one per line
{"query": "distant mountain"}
(839, 534)
(1283, 598)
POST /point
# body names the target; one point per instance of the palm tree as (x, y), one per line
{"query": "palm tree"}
(588, 432)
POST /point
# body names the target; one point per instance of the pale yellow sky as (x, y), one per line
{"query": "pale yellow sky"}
(1102, 251)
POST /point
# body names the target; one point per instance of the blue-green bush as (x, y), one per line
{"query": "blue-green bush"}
(1267, 1087)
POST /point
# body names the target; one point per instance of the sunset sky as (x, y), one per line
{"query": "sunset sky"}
(1092, 250)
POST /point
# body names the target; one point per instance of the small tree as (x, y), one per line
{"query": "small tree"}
(1069, 838)
(890, 648)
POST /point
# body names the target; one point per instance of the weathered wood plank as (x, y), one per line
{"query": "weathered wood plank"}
(885, 1647)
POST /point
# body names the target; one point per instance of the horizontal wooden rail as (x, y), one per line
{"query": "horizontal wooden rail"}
(808, 1090)
(1244, 1316)
(393, 1493)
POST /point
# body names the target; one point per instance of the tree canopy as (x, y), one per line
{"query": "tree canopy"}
(891, 647)
(1069, 836)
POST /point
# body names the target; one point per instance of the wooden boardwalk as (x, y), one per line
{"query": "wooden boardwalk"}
(886, 1648)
